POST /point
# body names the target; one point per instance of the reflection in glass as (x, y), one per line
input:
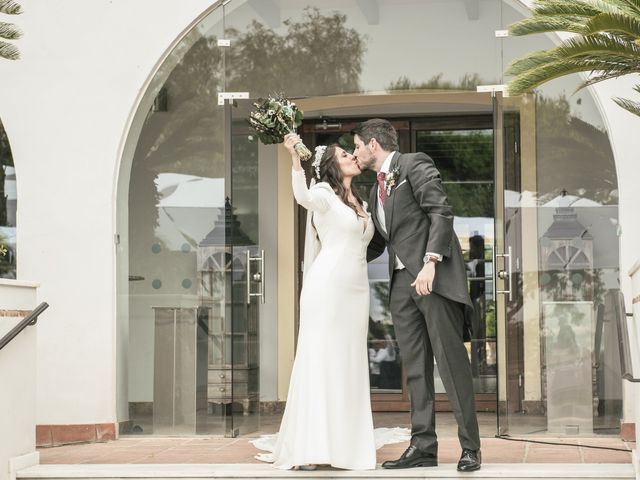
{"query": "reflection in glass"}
(465, 159)
(568, 350)
(8, 208)
(385, 365)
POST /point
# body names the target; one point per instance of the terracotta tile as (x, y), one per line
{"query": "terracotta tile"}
(605, 456)
(554, 456)
(628, 431)
(503, 459)
(63, 434)
(604, 442)
(44, 437)
(217, 449)
(114, 460)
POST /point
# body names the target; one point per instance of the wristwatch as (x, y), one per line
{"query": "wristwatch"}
(430, 258)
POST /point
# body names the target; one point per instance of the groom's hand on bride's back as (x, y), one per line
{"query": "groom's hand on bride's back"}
(424, 281)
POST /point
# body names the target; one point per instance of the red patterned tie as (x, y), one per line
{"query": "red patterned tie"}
(381, 191)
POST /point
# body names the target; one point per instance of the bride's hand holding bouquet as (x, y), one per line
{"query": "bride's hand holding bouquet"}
(291, 140)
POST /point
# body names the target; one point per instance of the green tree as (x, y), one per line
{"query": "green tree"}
(605, 44)
(8, 31)
(317, 55)
(468, 82)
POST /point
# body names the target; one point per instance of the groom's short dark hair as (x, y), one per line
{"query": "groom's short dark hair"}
(381, 130)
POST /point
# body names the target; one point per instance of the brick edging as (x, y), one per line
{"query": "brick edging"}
(55, 435)
(628, 432)
(14, 313)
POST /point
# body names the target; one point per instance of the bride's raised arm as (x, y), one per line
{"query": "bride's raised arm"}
(315, 198)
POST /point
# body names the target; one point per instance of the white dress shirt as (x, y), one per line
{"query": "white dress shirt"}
(381, 217)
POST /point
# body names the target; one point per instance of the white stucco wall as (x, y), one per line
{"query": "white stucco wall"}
(18, 377)
(623, 128)
(65, 106)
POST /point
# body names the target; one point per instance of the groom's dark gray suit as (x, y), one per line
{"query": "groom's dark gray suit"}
(418, 219)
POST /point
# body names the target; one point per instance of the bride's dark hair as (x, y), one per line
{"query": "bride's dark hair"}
(330, 172)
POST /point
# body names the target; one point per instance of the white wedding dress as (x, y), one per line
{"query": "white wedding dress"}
(327, 418)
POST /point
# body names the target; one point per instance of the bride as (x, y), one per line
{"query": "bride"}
(327, 418)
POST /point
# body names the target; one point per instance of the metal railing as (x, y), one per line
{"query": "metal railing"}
(30, 319)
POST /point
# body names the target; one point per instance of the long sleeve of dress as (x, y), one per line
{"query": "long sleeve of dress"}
(315, 198)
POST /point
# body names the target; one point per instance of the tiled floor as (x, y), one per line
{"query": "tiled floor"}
(214, 450)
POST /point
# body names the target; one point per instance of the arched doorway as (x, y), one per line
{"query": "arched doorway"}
(349, 60)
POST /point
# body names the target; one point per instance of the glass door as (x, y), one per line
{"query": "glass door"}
(247, 270)
(462, 148)
(232, 289)
(557, 343)
(521, 406)
(456, 130)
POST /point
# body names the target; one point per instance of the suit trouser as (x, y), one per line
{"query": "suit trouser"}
(426, 327)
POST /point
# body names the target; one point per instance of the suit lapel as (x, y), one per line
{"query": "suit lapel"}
(388, 203)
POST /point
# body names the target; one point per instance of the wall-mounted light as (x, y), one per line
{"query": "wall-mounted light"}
(325, 126)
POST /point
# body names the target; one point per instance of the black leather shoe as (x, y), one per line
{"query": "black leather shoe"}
(412, 457)
(470, 460)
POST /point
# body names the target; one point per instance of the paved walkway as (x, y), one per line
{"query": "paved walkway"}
(219, 450)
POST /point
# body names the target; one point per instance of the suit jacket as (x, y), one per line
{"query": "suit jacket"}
(418, 220)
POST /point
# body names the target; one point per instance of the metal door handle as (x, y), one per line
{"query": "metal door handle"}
(506, 275)
(257, 277)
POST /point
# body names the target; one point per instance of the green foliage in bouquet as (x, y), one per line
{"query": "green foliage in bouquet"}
(275, 117)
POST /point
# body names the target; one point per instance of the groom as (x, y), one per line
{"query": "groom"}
(429, 297)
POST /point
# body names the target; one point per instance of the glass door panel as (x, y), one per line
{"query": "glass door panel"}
(521, 409)
(554, 331)
(231, 266)
(464, 154)
(247, 285)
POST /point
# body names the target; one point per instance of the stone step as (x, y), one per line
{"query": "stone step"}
(530, 471)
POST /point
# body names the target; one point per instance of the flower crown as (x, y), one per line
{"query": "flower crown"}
(320, 149)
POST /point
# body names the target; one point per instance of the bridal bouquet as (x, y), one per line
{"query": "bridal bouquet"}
(273, 118)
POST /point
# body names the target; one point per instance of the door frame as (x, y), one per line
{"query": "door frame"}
(342, 113)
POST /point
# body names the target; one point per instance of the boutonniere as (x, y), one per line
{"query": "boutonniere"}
(391, 179)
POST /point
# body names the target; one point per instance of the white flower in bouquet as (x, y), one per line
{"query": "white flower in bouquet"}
(276, 117)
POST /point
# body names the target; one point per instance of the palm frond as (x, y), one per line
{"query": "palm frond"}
(9, 51)
(10, 7)
(9, 31)
(554, 8)
(594, 53)
(530, 61)
(598, 76)
(634, 4)
(535, 77)
(583, 8)
(614, 23)
(629, 105)
(613, 6)
(547, 24)
(598, 44)
(607, 44)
